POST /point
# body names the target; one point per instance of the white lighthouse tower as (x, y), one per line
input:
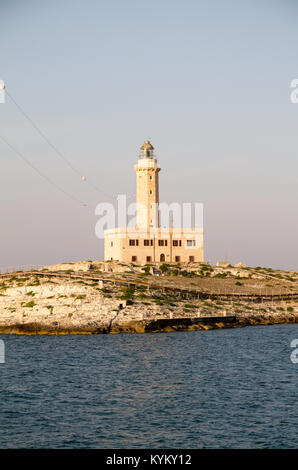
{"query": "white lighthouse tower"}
(147, 185)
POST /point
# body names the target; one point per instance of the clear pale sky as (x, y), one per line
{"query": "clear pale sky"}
(207, 81)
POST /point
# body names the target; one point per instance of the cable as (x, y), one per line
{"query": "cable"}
(38, 171)
(59, 153)
(56, 150)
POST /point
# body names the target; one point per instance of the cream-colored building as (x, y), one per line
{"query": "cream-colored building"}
(147, 242)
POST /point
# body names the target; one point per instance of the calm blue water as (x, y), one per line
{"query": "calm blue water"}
(220, 388)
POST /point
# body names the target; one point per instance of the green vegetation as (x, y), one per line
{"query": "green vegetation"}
(28, 304)
(128, 294)
(105, 290)
(80, 296)
(146, 270)
(191, 306)
(188, 274)
(174, 272)
(164, 267)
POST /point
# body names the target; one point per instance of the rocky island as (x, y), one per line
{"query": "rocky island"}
(91, 297)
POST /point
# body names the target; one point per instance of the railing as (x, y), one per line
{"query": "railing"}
(186, 293)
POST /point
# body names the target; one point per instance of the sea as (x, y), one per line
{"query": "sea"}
(228, 388)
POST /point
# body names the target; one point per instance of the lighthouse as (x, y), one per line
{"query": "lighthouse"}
(148, 242)
(147, 186)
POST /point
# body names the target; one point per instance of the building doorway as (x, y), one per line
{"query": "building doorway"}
(162, 258)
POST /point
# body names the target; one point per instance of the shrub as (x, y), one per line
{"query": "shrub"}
(164, 267)
(146, 269)
(104, 290)
(128, 293)
(141, 296)
(30, 304)
(206, 268)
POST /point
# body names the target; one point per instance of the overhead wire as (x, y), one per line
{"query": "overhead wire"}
(49, 180)
(54, 147)
(59, 153)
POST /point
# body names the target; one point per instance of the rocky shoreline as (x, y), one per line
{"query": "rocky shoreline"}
(145, 326)
(35, 304)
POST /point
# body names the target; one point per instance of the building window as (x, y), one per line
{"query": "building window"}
(191, 259)
(112, 244)
(134, 258)
(176, 242)
(162, 242)
(151, 177)
(148, 259)
(111, 259)
(150, 191)
(191, 243)
(148, 242)
(133, 242)
(177, 259)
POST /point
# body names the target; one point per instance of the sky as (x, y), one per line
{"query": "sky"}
(207, 81)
